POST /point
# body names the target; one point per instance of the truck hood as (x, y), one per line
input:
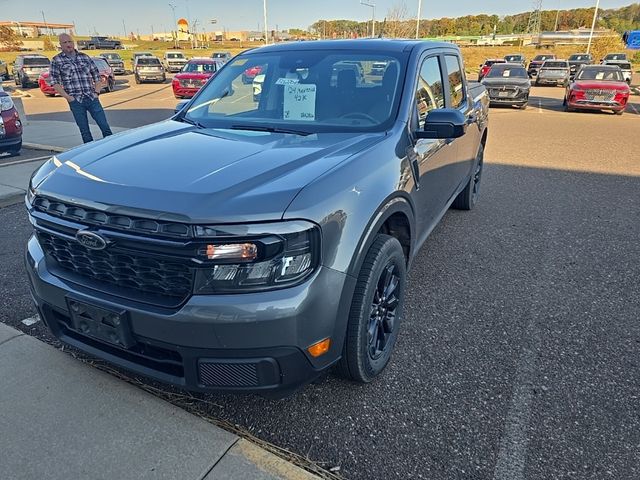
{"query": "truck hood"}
(175, 171)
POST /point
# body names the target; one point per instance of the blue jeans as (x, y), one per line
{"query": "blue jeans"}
(80, 109)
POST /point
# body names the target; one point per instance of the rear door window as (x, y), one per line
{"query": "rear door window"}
(456, 84)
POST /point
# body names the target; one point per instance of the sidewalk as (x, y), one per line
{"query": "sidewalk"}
(62, 419)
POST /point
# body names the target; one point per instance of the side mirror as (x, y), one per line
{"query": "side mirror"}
(181, 104)
(444, 123)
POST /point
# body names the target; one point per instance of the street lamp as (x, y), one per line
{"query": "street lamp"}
(418, 19)
(373, 16)
(175, 25)
(266, 30)
(593, 25)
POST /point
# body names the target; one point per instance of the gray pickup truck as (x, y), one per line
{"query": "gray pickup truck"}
(251, 245)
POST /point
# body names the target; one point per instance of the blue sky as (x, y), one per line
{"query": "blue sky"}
(143, 15)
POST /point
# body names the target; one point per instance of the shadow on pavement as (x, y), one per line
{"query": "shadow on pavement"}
(540, 269)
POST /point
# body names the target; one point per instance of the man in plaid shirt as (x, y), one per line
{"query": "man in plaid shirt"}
(75, 77)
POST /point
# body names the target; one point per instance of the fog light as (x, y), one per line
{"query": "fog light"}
(319, 348)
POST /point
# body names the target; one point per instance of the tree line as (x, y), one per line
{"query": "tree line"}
(397, 23)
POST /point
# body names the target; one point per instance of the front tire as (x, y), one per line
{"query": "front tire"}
(15, 149)
(468, 197)
(376, 310)
(619, 112)
(138, 80)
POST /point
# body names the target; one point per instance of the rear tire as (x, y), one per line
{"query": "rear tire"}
(376, 311)
(523, 106)
(138, 80)
(468, 197)
(110, 84)
(619, 112)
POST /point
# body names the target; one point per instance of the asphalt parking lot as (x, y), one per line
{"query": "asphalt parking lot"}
(519, 354)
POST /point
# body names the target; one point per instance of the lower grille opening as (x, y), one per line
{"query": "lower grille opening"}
(156, 358)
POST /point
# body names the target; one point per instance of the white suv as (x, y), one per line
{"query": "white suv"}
(174, 61)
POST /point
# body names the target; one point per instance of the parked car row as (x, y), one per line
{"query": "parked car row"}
(593, 87)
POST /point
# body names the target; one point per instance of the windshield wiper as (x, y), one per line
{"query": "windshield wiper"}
(261, 128)
(191, 122)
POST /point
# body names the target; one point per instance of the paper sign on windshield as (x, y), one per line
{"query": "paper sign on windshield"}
(299, 102)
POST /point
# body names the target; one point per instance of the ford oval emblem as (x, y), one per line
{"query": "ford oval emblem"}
(91, 240)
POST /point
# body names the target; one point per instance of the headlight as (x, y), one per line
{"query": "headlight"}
(5, 103)
(256, 257)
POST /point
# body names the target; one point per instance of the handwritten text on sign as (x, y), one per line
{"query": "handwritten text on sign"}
(299, 102)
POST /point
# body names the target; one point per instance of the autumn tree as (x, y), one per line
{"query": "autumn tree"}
(9, 39)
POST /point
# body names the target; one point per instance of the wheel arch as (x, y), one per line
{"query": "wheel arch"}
(395, 217)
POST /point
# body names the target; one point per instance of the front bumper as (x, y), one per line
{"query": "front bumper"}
(118, 70)
(551, 80)
(174, 68)
(145, 77)
(186, 92)
(593, 105)
(238, 343)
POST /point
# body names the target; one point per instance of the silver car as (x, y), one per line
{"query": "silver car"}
(554, 72)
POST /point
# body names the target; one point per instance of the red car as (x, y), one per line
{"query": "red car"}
(486, 66)
(193, 76)
(597, 87)
(106, 75)
(250, 73)
(10, 126)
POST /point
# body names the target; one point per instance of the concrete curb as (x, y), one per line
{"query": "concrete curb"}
(38, 146)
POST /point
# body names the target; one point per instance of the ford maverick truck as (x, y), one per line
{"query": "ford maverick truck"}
(251, 245)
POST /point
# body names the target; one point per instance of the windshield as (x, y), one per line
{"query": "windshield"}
(539, 58)
(555, 65)
(175, 55)
(499, 71)
(148, 61)
(514, 58)
(307, 90)
(616, 56)
(579, 58)
(193, 67)
(605, 74)
(219, 55)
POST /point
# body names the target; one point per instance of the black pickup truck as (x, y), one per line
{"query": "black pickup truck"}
(250, 245)
(99, 43)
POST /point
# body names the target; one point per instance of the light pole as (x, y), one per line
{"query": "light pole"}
(373, 16)
(418, 19)
(593, 25)
(175, 25)
(46, 26)
(266, 30)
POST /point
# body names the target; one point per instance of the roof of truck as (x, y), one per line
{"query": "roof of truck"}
(367, 44)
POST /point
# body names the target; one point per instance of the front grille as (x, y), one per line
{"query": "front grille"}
(601, 94)
(191, 83)
(142, 273)
(228, 374)
(125, 223)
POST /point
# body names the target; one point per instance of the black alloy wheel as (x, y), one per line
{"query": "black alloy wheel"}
(376, 311)
(383, 311)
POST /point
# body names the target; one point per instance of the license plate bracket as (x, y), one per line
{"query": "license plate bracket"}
(104, 324)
